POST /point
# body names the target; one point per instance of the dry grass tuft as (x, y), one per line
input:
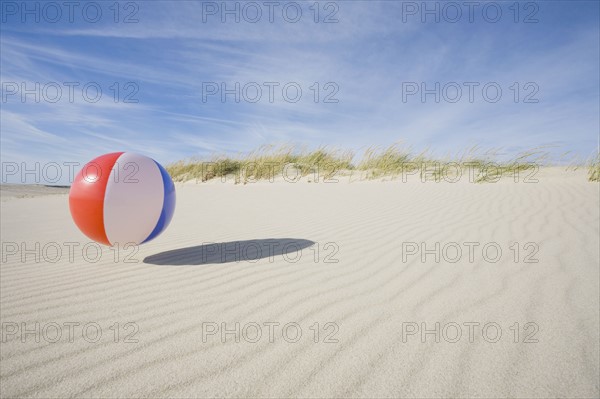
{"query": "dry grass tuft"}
(594, 169)
(268, 162)
(264, 163)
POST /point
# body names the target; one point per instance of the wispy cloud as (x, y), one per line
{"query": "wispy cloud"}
(171, 55)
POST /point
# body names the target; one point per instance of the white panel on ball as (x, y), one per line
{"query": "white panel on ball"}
(133, 199)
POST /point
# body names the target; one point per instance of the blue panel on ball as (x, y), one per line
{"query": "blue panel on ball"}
(168, 204)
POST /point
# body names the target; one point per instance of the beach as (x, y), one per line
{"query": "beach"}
(362, 289)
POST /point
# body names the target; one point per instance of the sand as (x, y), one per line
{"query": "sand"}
(10, 191)
(337, 265)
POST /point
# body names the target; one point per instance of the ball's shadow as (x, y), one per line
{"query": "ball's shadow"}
(230, 252)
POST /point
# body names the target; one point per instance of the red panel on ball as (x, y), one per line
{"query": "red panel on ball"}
(86, 197)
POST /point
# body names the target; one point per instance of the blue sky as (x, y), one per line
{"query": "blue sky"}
(176, 49)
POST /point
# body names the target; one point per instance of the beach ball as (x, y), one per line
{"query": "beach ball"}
(122, 198)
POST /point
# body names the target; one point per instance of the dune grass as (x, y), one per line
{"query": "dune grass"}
(268, 162)
(594, 169)
(395, 159)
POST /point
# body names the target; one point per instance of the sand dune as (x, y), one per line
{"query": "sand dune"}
(341, 264)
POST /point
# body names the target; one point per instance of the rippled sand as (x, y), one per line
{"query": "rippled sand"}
(326, 274)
